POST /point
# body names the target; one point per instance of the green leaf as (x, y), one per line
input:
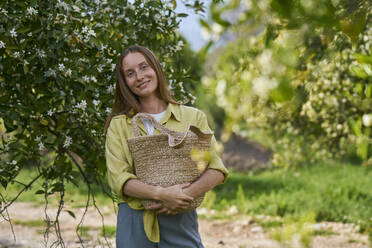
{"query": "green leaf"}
(368, 90)
(361, 58)
(282, 93)
(356, 126)
(4, 183)
(357, 71)
(24, 30)
(40, 192)
(182, 15)
(354, 25)
(71, 213)
(174, 3)
(359, 88)
(204, 24)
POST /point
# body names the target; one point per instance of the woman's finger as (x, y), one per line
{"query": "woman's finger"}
(187, 198)
(185, 185)
(155, 206)
(163, 210)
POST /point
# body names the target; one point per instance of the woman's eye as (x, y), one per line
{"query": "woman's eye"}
(144, 67)
(129, 74)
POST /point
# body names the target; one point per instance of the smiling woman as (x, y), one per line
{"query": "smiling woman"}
(140, 77)
(141, 87)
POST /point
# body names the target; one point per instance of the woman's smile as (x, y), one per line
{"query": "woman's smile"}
(143, 84)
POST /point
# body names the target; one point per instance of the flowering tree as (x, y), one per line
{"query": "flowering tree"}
(299, 71)
(57, 65)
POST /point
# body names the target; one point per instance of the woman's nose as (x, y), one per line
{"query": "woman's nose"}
(140, 75)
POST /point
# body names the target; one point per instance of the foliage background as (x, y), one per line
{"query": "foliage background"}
(296, 75)
(299, 72)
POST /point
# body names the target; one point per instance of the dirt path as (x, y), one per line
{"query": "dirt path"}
(239, 233)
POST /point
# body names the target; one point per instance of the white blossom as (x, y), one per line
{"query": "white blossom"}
(265, 61)
(85, 29)
(31, 11)
(61, 67)
(179, 46)
(4, 11)
(16, 54)
(96, 93)
(14, 162)
(51, 111)
(91, 33)
(38, 138)
(108, 110)
(86, 78)
(40, 53)
(96, 102)
(62, 4)
(93, 78)
(367, 120)
(68, 141)
(13, 33)
(50, 73)
(41, 146)
(262, 85)
(75, 8)
(82, 105)
(2, 44)
(110, 89)
(68, 72)
(100, 68)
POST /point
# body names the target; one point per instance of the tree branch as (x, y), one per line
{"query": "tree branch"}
(16, 197)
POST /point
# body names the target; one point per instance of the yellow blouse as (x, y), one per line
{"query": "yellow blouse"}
(120, 167)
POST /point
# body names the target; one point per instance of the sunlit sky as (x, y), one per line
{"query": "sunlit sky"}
(190, 26)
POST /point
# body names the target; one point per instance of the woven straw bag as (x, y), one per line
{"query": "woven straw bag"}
(164, 159)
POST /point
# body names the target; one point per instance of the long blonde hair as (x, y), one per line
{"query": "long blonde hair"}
(125, 102)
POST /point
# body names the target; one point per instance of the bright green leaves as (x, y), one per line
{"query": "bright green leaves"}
(300, 70)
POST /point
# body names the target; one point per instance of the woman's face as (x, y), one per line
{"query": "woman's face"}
(140, 77)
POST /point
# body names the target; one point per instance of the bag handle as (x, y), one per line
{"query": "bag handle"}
(156, 124)
(174, 139)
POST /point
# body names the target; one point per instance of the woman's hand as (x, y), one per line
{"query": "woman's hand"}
(173, 199)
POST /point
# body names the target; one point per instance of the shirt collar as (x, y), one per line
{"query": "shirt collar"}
(172, 110)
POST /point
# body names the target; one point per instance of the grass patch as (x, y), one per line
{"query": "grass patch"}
(334, 192)
(324, 233)
(369, 231)
(75, 197)
(108, 230)
(266, 225)
(29, 223)
(83, 231)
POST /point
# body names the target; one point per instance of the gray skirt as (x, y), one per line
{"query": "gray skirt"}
(180, 230)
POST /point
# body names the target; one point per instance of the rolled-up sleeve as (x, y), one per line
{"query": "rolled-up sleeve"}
(216, 162)
(119, 170)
